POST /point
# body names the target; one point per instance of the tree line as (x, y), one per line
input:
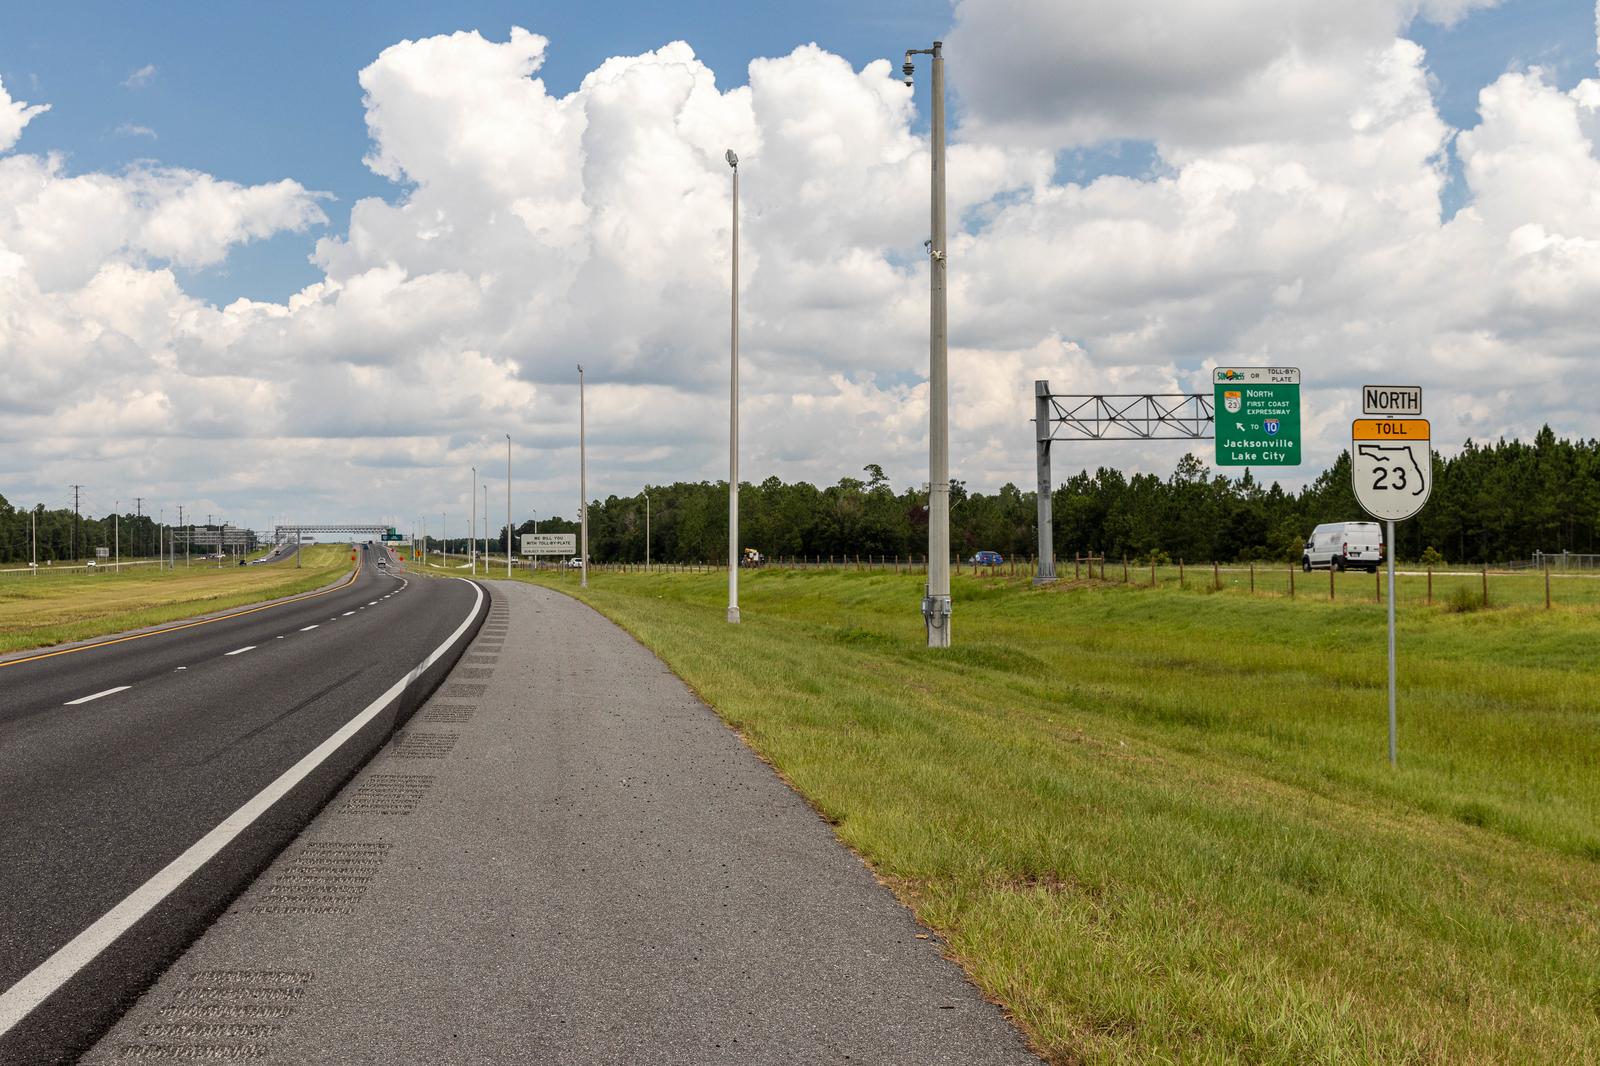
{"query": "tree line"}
(63, 536)
(1490, 503)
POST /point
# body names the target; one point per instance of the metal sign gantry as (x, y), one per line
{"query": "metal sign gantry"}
(337, 529)
(1129, 416)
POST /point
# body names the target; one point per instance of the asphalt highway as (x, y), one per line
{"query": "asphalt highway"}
(120, 758)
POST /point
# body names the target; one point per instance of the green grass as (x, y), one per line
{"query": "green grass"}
(55, 608)
(1160, 825)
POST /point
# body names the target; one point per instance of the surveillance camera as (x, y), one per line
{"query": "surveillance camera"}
(908, 70)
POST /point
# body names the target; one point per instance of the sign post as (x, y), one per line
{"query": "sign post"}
(1391, 466)
(1257, 412)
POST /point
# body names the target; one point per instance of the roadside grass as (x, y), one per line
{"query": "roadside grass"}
(57, 608)
(1160, 826)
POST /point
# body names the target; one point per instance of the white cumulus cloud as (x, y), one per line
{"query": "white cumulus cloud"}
(1295, 218)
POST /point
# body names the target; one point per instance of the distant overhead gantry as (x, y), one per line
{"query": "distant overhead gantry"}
(343, 531)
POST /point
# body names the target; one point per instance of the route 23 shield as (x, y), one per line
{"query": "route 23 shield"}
(1233, 401)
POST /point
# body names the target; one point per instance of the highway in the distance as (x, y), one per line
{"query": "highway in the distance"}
(143, 782)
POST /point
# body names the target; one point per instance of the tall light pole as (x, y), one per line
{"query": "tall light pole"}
(646, 532)
(583, 490)
(733, 412)
(117, 534)
(472, 537)
(936, 601)
(508, 505)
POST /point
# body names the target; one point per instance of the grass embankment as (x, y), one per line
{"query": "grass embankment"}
(56, 608)
(1160, 826)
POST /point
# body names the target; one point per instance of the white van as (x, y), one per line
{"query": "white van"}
(1344, 546)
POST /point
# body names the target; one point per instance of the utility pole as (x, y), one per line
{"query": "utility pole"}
(138, 512)
(583, 490)
(486, 529)
(75, 489)
(33, 530)
(473, 514)
(646, 532)
(508, 505)
(116, 526)
(936, 603)
(733, 412)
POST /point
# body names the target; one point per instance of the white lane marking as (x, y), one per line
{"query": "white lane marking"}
(240, 651)
(97, 695)
(374, 603)
(307, 629)
(280, 636)
(18, 1001)
(347, 614)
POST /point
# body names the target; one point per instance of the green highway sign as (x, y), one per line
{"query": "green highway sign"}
(1257, 410)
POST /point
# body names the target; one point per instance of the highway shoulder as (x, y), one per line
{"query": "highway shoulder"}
(566, 856)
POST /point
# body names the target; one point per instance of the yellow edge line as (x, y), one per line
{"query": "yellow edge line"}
(186, 625)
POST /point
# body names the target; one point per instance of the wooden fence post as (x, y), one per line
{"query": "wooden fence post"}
(1430, 584)
(1486, 584)
(1124, 569)
(1252, 577)
(1216, 577)
(1547, 586)
(1076, 560)
(1377, 584)
(1291, 581)
(1330, 582)
(1180, 571)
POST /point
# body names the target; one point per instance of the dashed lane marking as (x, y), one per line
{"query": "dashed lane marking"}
(240, 651)
(308, 629)
(97, 695)
(18, 1001)
(183, 625)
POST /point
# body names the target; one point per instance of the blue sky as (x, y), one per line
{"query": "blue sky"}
(255, 93)
(259, 93)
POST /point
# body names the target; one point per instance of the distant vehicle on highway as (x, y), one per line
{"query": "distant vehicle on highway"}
(1344, 546)
(987, 559)
(751, 557)
(574, 563)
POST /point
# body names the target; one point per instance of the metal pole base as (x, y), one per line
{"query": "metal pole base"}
(733, 615)
(1043, 580)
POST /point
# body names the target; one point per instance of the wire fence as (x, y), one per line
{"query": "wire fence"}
(1451, 588)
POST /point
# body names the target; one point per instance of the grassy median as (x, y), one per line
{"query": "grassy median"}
(1160, 825)
(56, 608)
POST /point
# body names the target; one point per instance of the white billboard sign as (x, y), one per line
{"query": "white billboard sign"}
(549, 544)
